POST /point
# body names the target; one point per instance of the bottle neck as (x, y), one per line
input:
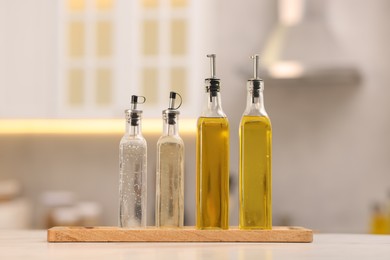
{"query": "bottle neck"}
(170, 129)
(170, 123)
(213, 105)
(255, 102)
(133, 130)
(133, 124)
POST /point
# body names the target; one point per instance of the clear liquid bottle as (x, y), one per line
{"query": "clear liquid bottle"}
(255, 186)
(212, 160)
(133, 174)
(170, 170)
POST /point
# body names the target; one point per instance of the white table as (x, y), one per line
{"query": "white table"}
(31, 245)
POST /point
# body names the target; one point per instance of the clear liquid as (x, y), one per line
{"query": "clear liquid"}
(170, 182)
(255, 173)
(212, 173)
(132, 182)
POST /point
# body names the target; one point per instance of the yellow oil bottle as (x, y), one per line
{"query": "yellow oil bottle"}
(380, 224)
(212, 160)
(255, 179)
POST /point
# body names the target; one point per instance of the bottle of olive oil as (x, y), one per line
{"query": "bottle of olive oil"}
(255, 159)
(379, 220)
(212, 159)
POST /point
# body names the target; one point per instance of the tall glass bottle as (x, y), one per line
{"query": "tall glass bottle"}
(212, 160)
(132, 183)
(170, 170)
(255, 186)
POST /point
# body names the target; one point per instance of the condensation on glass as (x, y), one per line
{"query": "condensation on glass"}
(133, 171)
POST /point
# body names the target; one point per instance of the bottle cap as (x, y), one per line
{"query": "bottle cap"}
(133, 114)
(212, 83)
(255, 81)
(172, 111)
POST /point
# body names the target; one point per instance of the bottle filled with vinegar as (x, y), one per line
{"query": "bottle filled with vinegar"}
(170, 170)
(255, 209)
(212, 159)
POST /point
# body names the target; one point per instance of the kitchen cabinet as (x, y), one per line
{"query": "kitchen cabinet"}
(85, 58)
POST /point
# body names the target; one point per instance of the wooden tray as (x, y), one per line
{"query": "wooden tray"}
(186, 234)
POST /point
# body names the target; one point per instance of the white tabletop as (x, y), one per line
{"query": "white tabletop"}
(32, 245)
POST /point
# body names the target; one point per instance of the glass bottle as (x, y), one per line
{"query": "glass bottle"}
(255, 186)
(379, 220)
(133, 174)
(212, 160)
(170, 170)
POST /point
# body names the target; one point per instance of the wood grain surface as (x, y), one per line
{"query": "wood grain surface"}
(186, 234)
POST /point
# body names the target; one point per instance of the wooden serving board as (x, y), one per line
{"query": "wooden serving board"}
(186, 234)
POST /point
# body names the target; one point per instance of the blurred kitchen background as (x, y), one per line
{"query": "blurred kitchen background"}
(68, 68)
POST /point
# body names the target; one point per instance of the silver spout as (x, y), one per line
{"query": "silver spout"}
(172, 98)
(171, 103)
(134, 100)
(255, 66)
(212, 64)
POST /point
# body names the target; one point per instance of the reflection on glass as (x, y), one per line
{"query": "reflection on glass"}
(178, 36)
(76, 38)
(103, 38)
(76, 87)
(103, 87)
(149, 84)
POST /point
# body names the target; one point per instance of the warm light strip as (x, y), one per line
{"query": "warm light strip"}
(85, 126)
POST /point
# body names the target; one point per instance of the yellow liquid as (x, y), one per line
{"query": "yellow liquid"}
(255, 173)
(380, 224)
(212, 173)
